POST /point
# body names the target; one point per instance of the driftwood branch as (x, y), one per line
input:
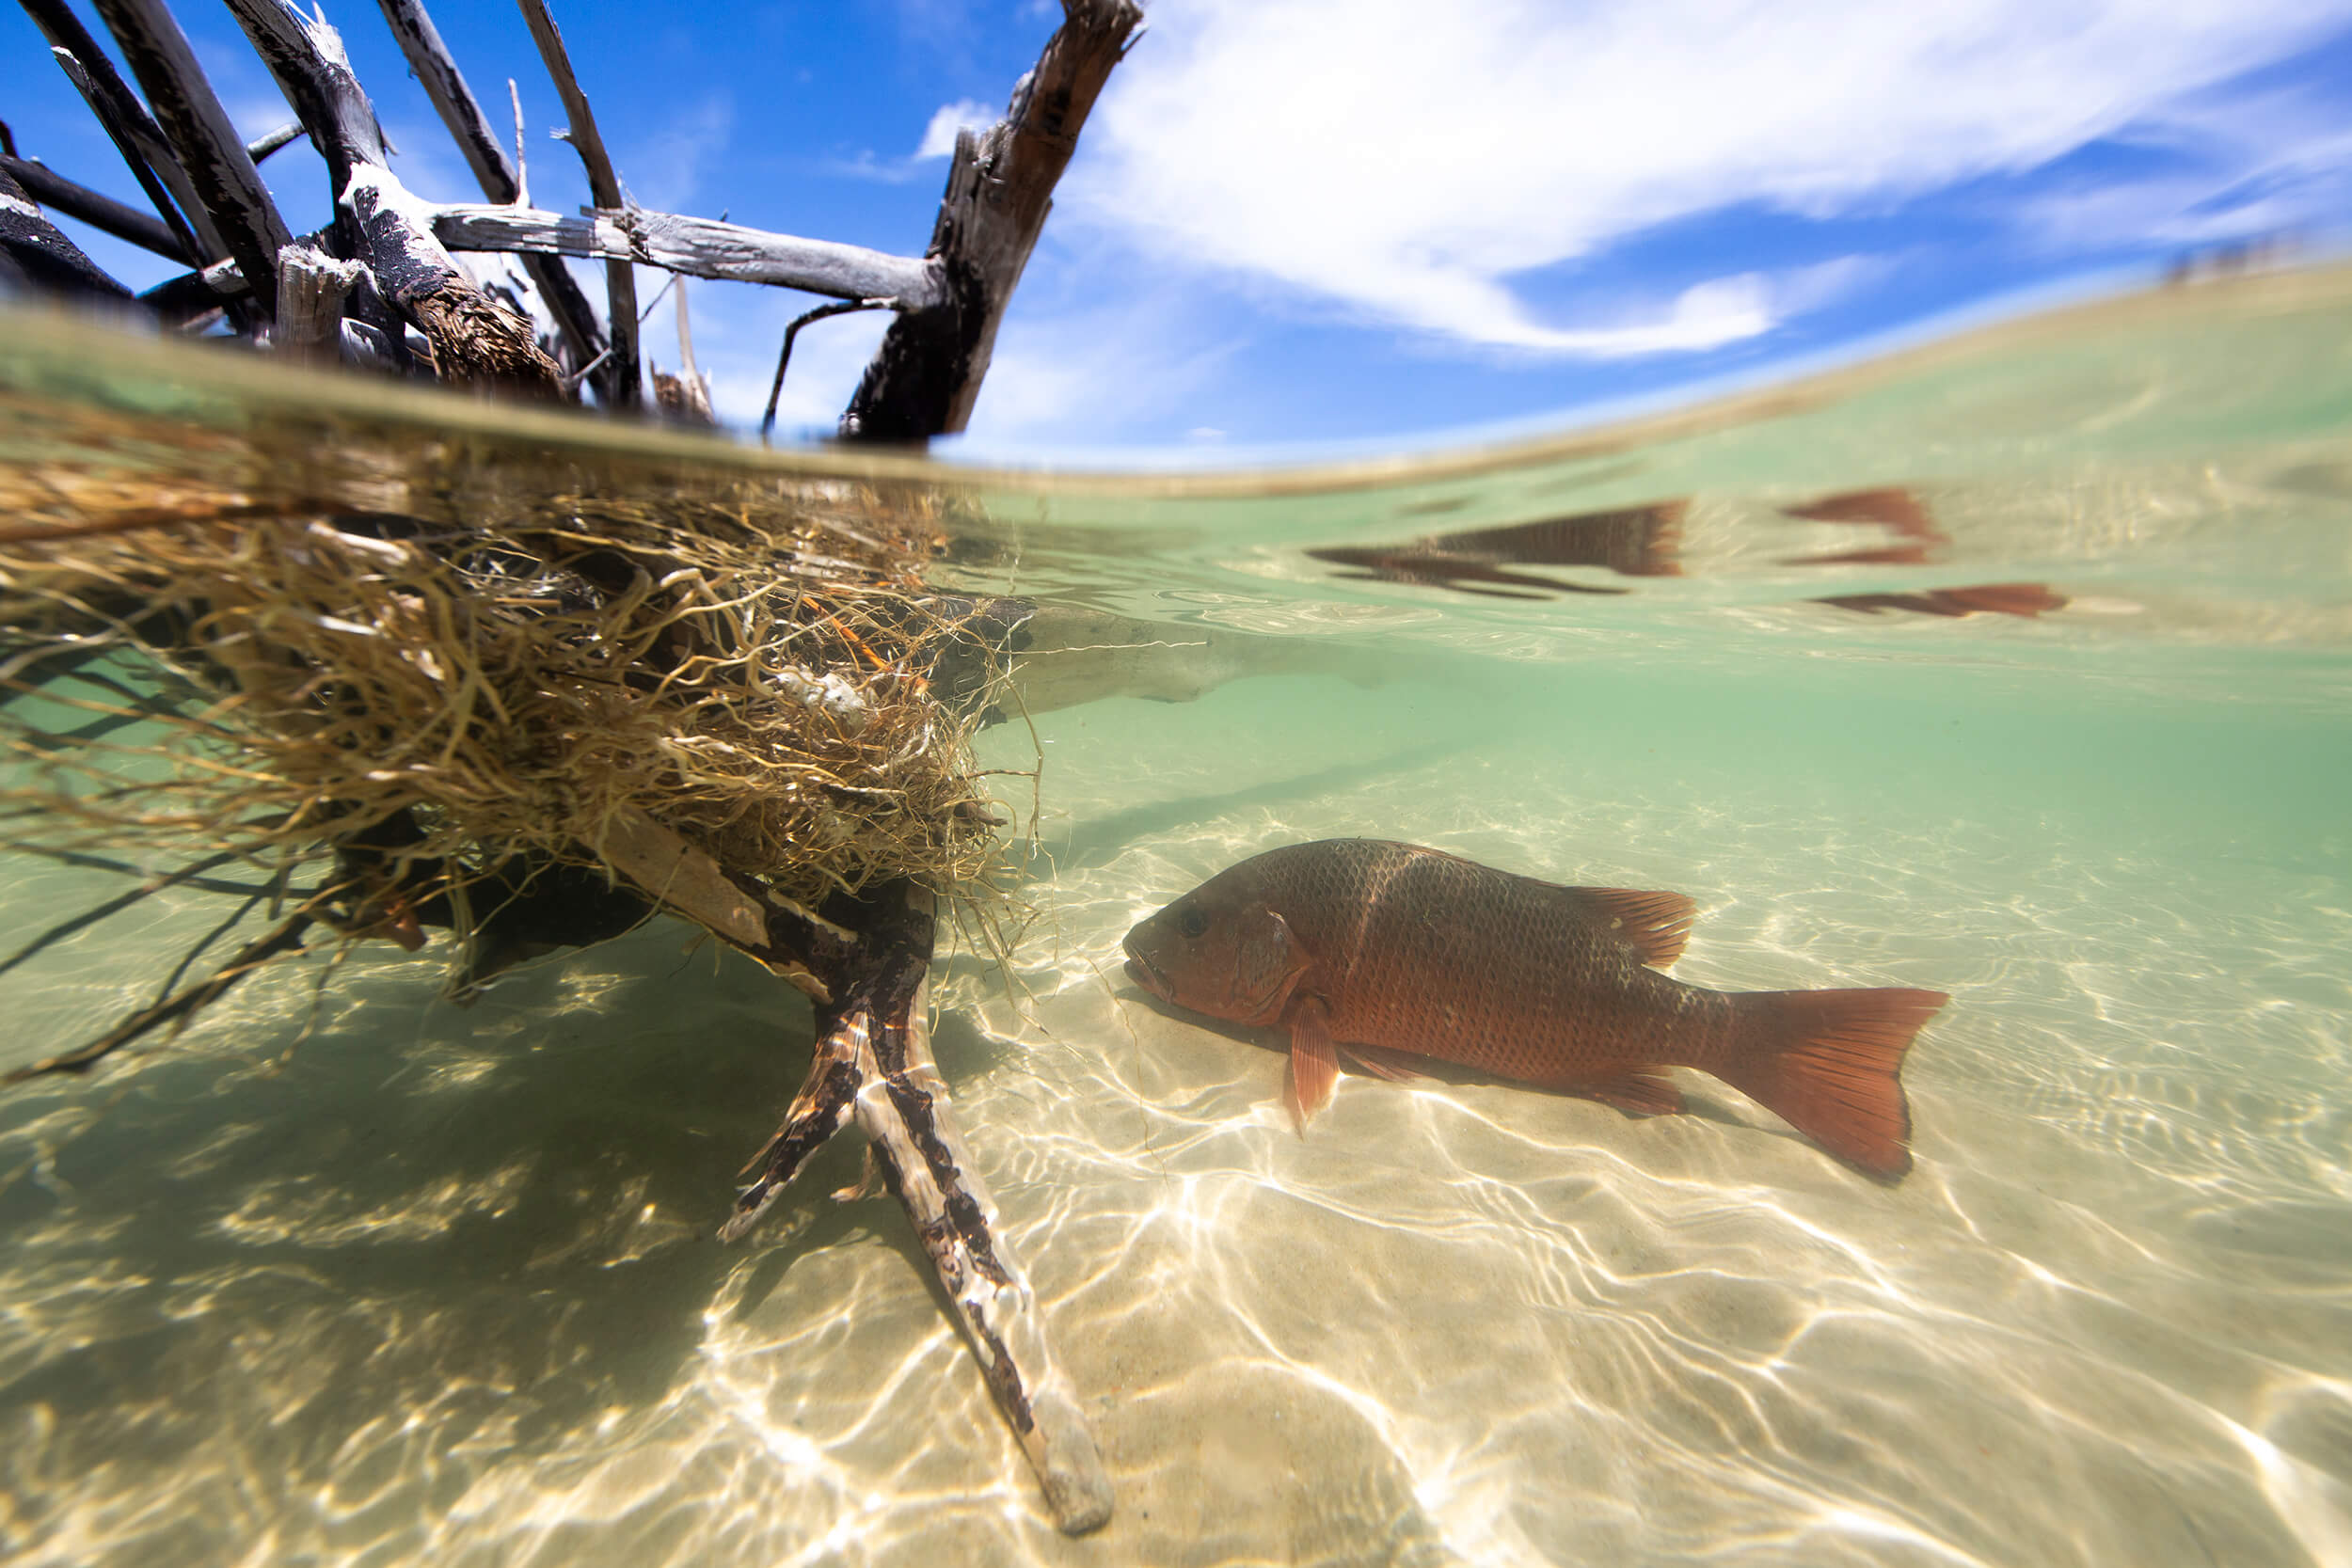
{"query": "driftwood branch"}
(475, 344)
(873, 1063)
(220, 173)
(132, 130)
(36, 259)
(697, 248)
(621, 381)
(926, 378)
(499, 179)
(312, 288)
(268, 142)
(51, 189)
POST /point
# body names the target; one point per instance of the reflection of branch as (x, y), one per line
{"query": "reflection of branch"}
(286, 938)
(116, 905)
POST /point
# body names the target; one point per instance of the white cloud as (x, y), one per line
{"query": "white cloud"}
(1405, 161)
(1091, 375)
(664, 170)
(938, 136)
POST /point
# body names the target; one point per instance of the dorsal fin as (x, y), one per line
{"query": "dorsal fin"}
(1656, 924)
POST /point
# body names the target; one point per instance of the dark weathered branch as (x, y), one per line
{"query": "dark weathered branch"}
(220, 172)
(486, 156)
(474, 342)
(927, 375)
(51, 189)
(621, 380)
(133, 129)
(183, 243)
(699, 248)
(36, 256)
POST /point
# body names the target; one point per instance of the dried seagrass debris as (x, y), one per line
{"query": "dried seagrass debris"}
(674, 686)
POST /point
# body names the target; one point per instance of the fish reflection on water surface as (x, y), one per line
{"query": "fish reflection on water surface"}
(1647, 542)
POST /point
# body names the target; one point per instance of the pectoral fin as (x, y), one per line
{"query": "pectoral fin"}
(1314, 1065)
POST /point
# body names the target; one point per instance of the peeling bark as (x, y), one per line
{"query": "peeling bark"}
(461, 112)
(475, 342)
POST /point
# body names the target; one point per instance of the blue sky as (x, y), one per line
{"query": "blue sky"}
(1304, 224)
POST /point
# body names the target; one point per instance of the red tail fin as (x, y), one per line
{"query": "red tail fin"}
(1826, 1062)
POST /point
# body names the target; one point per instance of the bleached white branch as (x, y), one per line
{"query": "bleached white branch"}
(699, 248)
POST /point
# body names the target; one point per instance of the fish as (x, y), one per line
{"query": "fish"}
(1392, 954)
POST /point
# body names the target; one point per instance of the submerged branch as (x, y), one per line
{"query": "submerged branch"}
(286, 938)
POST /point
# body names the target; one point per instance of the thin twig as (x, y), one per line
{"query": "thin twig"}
(522, 169)
(838, 308)
(115, 906)
(286, 938)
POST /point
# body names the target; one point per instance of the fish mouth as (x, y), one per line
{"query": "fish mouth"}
(1140, 970)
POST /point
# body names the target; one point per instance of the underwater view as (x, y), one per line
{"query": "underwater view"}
(2013, 669)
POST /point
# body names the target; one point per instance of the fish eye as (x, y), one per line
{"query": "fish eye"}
(1190, 920)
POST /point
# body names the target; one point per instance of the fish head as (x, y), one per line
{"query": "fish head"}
(1222, 950)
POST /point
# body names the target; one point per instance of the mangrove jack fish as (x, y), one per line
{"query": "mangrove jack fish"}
(1388, 952)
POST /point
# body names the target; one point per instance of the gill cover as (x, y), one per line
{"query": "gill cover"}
(1267, 962)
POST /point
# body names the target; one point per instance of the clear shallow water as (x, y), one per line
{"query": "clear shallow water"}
(438, 1284)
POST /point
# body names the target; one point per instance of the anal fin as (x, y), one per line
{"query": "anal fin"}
(1314, 1064)
(1637, 1091)
(1397, 1067)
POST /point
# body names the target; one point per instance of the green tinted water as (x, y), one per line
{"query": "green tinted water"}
(439, 1285)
